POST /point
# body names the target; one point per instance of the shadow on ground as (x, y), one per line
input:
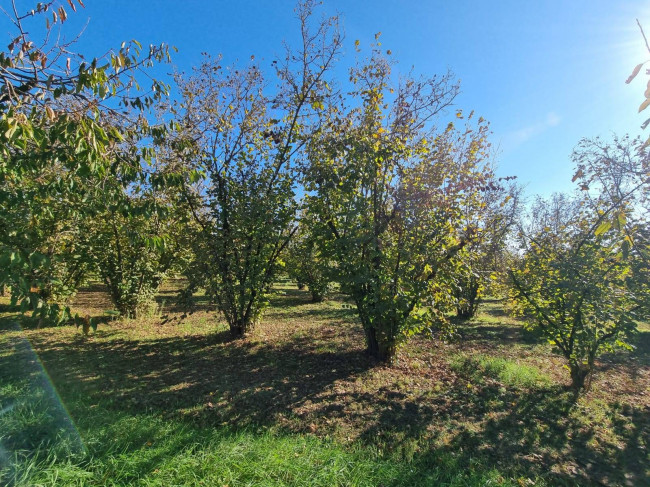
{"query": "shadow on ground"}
(294, 385)
(211, 378)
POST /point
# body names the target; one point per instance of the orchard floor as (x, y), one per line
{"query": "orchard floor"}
(170, 400)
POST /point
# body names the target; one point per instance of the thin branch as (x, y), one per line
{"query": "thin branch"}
(643, 34)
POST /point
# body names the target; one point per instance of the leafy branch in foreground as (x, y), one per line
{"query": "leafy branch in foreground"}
(56, 148)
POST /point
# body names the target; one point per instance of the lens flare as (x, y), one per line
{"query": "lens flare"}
(39, 403)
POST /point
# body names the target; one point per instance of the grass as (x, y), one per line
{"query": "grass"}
(170, 400)
(508, 372)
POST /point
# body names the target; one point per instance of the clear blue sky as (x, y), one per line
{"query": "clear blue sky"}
(545, 74)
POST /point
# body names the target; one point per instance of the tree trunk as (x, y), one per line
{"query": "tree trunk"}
(468, 301)
(465, 312)
(301, 285)
(129, 312)
(240, 328)
(380, 349)
(317, 297)
(580, 376)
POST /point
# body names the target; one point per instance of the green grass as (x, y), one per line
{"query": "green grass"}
(170, 400)
(145, 449)
(507, 371)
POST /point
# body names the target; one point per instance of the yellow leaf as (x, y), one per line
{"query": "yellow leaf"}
(603, 228)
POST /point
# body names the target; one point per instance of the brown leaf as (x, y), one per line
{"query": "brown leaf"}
(577, 175)
(636, 70)
(646, 143)
(644, 105)
(645, 124)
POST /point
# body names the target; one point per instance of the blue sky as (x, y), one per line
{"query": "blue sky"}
(545, 74)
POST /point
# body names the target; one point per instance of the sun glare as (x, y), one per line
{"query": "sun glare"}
(629, 47)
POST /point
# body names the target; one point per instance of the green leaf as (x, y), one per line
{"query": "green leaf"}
(602, 228)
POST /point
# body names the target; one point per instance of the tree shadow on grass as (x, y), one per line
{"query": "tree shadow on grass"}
(19, 321)
(492, 307)
(524, 434)
(211, 379)
(638, 356)
(9, 308)
(10, 322)
(285, 298)
(206, 381)
(167, 299)
(168, 302)
(317, 314)
(32, 418)
(502, 334)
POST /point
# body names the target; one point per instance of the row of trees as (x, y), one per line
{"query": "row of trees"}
(373, 182)
(75, 192)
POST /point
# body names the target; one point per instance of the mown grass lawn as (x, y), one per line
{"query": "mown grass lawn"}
(170, 400)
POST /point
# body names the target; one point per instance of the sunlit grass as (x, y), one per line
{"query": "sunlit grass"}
(147, 450)
(169, 400)
(507, 371)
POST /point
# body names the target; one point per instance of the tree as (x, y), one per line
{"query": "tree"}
(248, 139)
(583, 278)
(46, 228)
(55, 149)
(136, 238)
(483, 259)
(388, 188)
(307, 262)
